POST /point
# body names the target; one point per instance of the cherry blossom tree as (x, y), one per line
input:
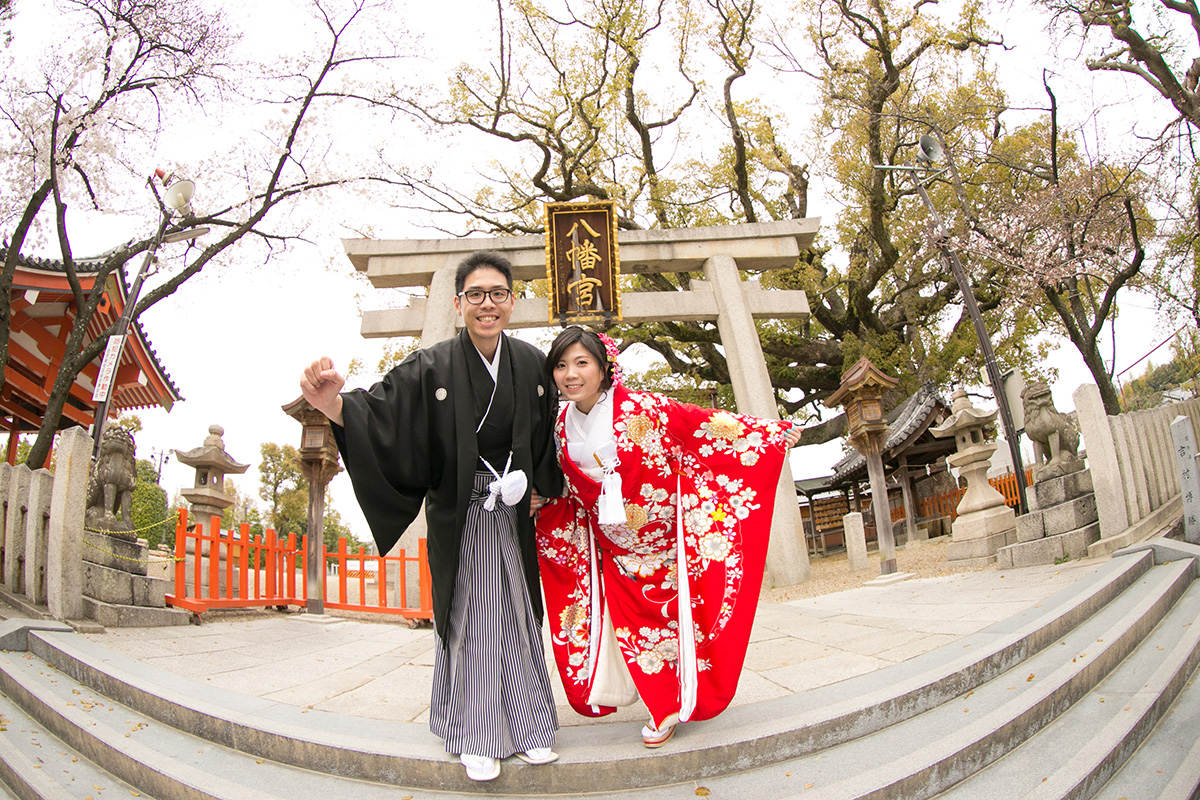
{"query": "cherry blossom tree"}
(1156, 43)
(1062, 232)
(123, 81)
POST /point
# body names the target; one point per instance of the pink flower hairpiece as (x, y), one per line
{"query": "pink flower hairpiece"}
(610, 348)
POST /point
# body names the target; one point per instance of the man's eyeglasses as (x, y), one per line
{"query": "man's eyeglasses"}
(475, 296)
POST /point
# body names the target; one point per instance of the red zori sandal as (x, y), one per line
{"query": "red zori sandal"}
(656, 737)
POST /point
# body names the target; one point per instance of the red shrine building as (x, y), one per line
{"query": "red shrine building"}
(42, 316)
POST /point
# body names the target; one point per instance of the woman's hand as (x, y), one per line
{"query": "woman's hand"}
(536, 501)
(793, 435)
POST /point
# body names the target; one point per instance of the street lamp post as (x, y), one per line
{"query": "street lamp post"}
(931, 151)
(158, 458)
(177, 200)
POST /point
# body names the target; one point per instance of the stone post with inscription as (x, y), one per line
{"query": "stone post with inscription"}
(1189, 477)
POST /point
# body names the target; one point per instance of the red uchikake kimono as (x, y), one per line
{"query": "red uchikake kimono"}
(723, 470)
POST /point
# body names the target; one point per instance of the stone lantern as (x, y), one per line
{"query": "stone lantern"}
(984, 523)
(319, 460)
(207, 496)
(861, 393)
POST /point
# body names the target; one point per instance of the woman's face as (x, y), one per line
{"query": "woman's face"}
(578, 377)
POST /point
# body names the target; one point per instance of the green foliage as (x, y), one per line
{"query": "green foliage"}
(285, 488)
(281, 480)
(1181, 372)
(130, 422)
(394, 352)
(571, 102)
(243, 511)
(335, 528)
(149, 508)
(23, 448)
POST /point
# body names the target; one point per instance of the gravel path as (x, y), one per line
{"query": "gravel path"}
(832, 574)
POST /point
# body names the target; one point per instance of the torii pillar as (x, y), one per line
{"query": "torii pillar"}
(787, 552)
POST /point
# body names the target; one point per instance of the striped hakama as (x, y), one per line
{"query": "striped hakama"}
(491, 690)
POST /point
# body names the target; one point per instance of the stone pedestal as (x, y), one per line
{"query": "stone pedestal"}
(117, 590)
(115, 552)
(1063, 520)
(978, 538)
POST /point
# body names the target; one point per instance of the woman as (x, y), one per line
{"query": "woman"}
(652, 484)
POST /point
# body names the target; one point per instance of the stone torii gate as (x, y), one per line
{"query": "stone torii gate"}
(719, 252)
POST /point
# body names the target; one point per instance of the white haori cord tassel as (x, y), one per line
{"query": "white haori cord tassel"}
(509, 487)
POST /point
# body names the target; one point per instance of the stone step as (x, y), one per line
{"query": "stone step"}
(1167, 764)
(933, 751)
(1081, 749)
(36, 764)
(116, 615)
(744, 737)
(906, 731)
(152, 759)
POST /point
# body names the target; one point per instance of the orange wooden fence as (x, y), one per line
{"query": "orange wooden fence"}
(235, 570)
(946, 503)
(229, 570)
(367, 566)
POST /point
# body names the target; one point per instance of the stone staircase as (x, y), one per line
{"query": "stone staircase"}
(1088, 694)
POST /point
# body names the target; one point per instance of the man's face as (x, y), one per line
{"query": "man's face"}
(488, 319)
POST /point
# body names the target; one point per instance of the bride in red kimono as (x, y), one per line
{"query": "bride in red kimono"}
(652, 485)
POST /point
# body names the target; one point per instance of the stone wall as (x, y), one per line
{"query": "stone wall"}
(1133, 466)
(41, 540)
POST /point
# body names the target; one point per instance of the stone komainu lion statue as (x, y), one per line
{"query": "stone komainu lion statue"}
(110, 486)
(1054, 435)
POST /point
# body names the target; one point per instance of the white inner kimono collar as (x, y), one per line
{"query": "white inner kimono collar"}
(592, 445)
(590, 436)
(493, 368)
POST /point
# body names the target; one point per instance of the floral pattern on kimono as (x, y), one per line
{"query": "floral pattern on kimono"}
(720, 471)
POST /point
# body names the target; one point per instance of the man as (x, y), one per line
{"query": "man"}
(459, 426)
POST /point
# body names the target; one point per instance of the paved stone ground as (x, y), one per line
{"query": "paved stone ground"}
(831, 628)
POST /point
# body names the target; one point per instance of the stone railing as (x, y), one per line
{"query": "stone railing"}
(42, 540)
(1134, 469)
(55, 567)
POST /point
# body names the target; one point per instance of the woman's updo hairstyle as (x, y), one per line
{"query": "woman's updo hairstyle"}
(591, 342)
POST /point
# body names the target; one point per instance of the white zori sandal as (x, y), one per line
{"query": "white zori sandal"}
(480, 768)
(656, 737)
(538, 756)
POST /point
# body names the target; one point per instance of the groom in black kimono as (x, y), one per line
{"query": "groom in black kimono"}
(465, 426)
